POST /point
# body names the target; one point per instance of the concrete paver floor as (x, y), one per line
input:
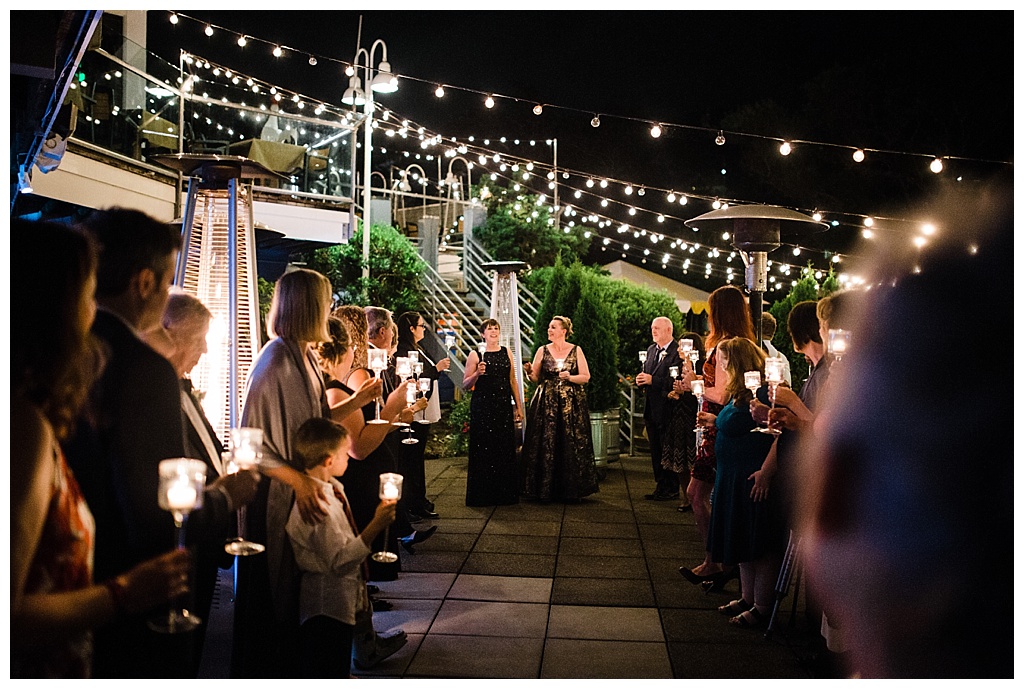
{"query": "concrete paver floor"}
(588, 590)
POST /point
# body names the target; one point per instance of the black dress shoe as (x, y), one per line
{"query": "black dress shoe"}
(381, 605)
(415, 537)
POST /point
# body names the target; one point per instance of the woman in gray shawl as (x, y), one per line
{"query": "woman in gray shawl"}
(284, 389)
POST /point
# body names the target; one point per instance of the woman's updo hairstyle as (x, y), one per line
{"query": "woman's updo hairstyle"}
(566, 323)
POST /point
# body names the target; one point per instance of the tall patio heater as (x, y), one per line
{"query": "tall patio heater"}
(756, 231)
(505, 310)
(217, 264)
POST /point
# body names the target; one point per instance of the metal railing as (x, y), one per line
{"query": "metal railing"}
(447, 309)
(479, 282)
(631, 408)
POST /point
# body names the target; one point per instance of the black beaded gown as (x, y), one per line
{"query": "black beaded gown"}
(558, 450)
(362, 487)
(493, 474)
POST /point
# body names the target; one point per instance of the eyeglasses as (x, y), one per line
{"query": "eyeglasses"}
(420, 325)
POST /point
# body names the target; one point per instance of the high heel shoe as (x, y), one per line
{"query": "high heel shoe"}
(407, 542)
(716, 581)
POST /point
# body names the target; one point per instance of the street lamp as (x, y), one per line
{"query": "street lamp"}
(452, 182)
(383, 81)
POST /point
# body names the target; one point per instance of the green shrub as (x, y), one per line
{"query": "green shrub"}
(395, 269)
(806, 288)
(456, 427)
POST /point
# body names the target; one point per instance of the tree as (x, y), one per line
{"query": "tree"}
(519, 227)
(806, 288)
(395, 269)
(594, 327)
(635, 306)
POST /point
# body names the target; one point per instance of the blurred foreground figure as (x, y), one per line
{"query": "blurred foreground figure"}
(909, 518)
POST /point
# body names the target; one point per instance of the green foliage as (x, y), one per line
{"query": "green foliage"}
(265, 290)
(806, 288)
(635, 307)
(456, 428)
(395, 268)
(575, 291)
(519, 229)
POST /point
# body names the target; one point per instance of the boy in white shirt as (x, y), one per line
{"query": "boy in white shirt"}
(331, 554)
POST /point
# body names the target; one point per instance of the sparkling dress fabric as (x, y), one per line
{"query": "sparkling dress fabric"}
(679, 442)
(493, 474)
(558, 451)
(63, 562)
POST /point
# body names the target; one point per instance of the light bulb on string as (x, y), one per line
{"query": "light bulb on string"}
(489, 102)
(671, 197)
(538, 109)
(716, 204)
(869, 222)
(209, 30)
(858, 156)
(641, 191)
(785, 149)
(682, 199)
(656, 131)
(173, 18)
(242, 40)
(816, 216)
(439, 91)
(595, 121)
(312, 60)
(628, 190)
(936, 166)
(720, 139)
(277, 51)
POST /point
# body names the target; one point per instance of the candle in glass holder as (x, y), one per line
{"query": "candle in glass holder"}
(246, 446)
(410, 395)
(697, 387)
(181, 495)
(673, 371)
(390, 486)
(403, 367)
(414, 357)
(181, 485)
(449, 341)
(752, 380)
(643, 356)
(685, 345)
(773, 369)
(838, 341)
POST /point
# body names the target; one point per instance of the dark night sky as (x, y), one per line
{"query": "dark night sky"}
(917, 82)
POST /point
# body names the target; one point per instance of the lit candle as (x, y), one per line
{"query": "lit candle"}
(643, 356)
(685, 345)
(410, 395)
(245, 457)
(752, 380)
(181, 495)
(697, 387)
(673, 371)
(390, 491)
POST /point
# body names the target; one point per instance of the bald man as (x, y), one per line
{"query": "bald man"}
(656, 383)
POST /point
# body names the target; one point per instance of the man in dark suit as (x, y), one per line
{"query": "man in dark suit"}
(185, 324)
(133, 423)
(657, 383)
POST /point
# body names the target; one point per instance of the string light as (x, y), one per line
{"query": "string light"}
(312, 60)
(242, 41)
(936, 166)
(656, 131)
(720, 139)
(785, 149)
(489, 102)
(209, 30)
(277, 51)
(595, 122)
(538, 109)
(174, 18)
(439, 91)
(858, 156)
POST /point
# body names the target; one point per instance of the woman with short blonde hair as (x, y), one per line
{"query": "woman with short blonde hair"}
(300, 306)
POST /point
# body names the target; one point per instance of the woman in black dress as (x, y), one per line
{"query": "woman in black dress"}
(493, 474)
(411, 330)
(558, 450)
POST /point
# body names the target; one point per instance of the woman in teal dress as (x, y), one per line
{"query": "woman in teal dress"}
(740, 529)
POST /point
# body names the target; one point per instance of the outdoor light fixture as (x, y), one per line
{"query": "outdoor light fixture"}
(936, 166)
(538, 109)
(354, 93)
(720, 139)
(595, 122)
(489, 102)
(785, 149)
(656, 131)
(858, 156)
(439, 91)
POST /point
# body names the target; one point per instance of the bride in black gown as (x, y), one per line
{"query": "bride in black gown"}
(493, 473)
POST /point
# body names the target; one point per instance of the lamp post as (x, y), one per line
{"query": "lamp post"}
(381, 82)
(452, 182)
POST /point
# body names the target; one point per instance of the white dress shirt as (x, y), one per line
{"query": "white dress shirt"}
(330, 555)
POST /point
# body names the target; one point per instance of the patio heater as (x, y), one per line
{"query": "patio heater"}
(217, 264)
(755, 232)
(505, 310)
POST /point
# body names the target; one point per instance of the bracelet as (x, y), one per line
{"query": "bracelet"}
(118, 594)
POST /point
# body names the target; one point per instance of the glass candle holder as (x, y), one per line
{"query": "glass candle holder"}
(390, 489)
(377, 361)
(838, 342)
(245, 449)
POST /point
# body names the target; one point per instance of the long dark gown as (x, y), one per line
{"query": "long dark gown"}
(558, 450)
(493, 474)
(740, 529)
(362, 487)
